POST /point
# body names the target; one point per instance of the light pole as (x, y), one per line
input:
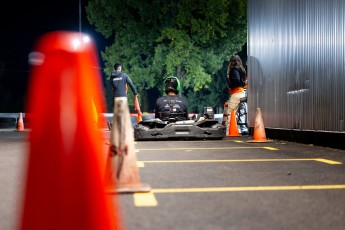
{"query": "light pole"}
(79, 16)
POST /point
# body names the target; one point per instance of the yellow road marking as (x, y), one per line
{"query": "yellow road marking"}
(145, 199)
(219, 148)
(255, 188)
(205, 141)
(270, 148)
(142, 163)
(149, 199)
(328, 161)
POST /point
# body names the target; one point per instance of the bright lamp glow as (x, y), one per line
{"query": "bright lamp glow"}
(86, 39)
(77, 42)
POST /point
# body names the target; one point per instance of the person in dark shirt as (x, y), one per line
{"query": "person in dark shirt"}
(119, 81)
(171, 105)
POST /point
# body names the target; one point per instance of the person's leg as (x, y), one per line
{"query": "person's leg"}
(233, 103)
(242, 119)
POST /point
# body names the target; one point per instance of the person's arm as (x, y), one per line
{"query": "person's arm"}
(229, 68)
(245, 78)
(111, 82)
(131, 85)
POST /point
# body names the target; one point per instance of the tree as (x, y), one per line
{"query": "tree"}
(157, 38)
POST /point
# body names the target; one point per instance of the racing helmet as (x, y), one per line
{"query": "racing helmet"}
(171, 84)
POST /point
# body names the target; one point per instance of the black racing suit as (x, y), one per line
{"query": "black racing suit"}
(118, 81)
(171, 104)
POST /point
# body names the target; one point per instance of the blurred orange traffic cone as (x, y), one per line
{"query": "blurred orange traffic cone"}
(94, 112)
(233, 129)
(259, 129)
(20, 123)
(64, 178)
(137, 108)
(139, 118)
(121, 172)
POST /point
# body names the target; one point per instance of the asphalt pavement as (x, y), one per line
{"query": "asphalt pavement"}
(217, 185)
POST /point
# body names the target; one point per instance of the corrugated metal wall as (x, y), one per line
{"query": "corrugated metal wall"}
(296, 62)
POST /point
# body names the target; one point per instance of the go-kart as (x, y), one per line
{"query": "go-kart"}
(173, 126)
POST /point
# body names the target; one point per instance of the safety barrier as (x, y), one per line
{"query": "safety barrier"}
(10, 120)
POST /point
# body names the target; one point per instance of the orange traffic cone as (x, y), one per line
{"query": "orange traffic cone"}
(64, 178)
(233, 129)
(20, 123)
(259, 129)
(121, 172)
(139, 118)
(137, 108)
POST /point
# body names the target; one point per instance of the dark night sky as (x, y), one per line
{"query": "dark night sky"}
(22, 24)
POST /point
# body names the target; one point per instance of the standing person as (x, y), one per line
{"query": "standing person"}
(171, 103)
(237, 81)
(119, 82)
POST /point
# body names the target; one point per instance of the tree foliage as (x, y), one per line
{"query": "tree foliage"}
(190, 39)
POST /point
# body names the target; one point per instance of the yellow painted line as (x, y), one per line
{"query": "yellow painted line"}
(270, 148)
(255, 188)
(219, 148)
(328, 161)
(140, 164)
(145, 199)
(240, 160)
(149, 199)
(238, 141)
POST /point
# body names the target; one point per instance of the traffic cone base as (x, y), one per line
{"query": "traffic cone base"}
(260, 141)
(233, 129)
(129, 188)
(259, 135)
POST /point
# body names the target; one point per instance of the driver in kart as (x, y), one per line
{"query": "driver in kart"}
(171, 103)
